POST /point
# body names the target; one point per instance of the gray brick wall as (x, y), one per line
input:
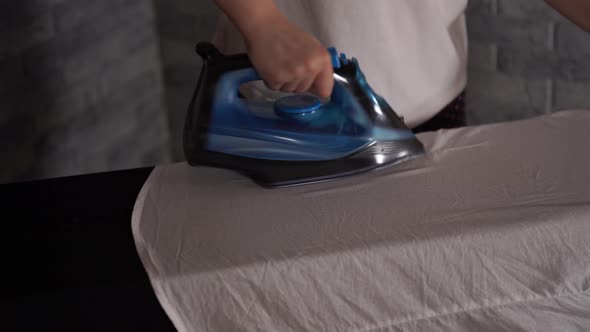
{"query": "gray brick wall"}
(80, 88)
(181, 24)
(525, 59)
(88, 86)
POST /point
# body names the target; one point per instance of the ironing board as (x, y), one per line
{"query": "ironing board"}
(489, 231)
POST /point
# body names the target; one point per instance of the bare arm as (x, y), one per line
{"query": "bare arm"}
(246, 15)
(577, 11)
(285, 56)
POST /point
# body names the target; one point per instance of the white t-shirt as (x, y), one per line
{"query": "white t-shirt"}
(413, 52)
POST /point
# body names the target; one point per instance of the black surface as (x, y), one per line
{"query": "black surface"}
(68, 259)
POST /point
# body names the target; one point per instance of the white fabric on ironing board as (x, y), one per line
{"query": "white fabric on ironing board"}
(489, 231)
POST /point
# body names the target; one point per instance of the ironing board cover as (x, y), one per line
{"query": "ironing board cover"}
(490, 231)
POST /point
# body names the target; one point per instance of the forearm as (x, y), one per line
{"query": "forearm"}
(577, 11)
(248, 15)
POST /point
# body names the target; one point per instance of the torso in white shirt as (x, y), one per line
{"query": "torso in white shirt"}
(413, 52)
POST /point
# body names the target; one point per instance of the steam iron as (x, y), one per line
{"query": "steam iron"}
(297, 139)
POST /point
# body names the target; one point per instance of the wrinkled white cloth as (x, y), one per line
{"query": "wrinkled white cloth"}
(489, 231)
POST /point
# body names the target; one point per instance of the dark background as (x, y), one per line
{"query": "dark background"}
(90, 86)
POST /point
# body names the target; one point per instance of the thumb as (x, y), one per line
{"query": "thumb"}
(324, 83)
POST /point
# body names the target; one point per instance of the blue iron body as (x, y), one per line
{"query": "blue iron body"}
(296, 139)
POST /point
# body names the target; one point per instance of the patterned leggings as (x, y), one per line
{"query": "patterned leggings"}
(452, 116)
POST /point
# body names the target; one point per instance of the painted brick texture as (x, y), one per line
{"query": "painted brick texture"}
(88, 86)
(525, 60)
(181, 24)
(80, 88)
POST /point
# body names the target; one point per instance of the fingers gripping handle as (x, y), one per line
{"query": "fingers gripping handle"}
(238, 68)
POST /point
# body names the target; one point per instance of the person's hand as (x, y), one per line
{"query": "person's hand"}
(287, 58)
